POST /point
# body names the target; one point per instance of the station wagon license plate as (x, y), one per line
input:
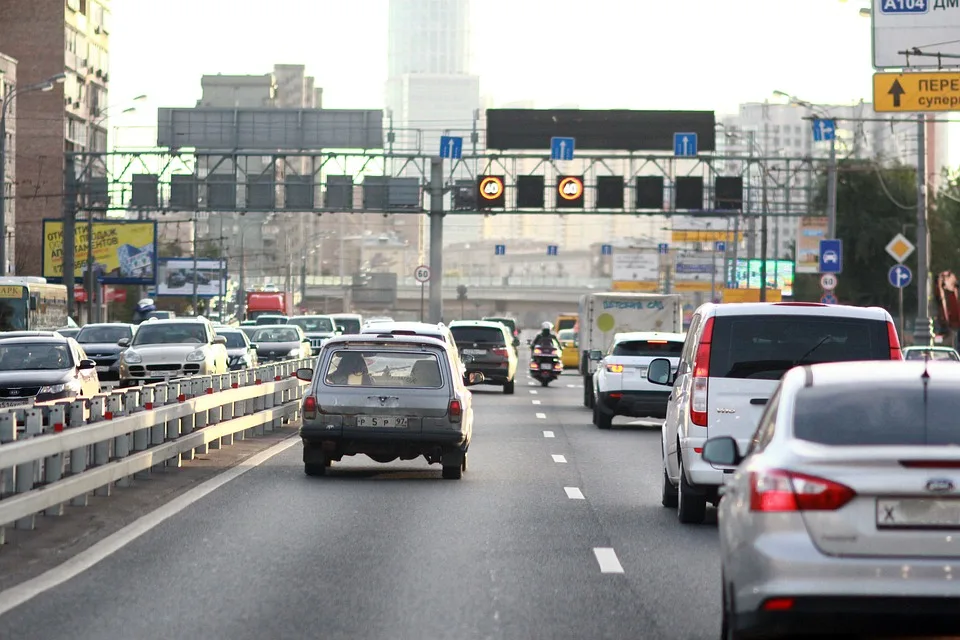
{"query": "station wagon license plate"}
(391, 422)
(918, 513)
(474, 352)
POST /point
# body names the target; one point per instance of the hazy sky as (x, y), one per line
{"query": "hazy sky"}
(634, 54)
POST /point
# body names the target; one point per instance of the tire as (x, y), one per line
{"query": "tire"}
(595, 419)
(727, 630)
(668, 493)
(604, 419)
(454, 472)
(691, 508)
(463, 465)
(586, 394)
(544, 382)
(508, 387)
(315, 470)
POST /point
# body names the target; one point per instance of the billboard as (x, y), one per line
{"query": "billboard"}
(123, 252)
(747, 275)
(810, 231)
(176, 277)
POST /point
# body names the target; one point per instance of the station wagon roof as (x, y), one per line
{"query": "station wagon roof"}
(649, 335)
(367, 340)
(793, 308)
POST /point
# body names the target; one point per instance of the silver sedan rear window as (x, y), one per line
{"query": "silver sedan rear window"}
(372, 368)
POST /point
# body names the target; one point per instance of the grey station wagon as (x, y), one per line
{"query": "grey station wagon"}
(387, 397)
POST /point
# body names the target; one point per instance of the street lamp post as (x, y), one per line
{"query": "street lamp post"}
(46, 85)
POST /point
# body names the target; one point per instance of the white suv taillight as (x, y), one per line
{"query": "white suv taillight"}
(701, 377)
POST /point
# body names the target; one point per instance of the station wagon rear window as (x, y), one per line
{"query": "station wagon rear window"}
(383, 369)
(648, 348)
(470, 335)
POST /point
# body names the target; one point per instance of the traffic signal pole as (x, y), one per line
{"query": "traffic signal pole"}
(436, 239)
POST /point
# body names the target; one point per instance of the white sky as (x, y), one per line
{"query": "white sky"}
(633, 54)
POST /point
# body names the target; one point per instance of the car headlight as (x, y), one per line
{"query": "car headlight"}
(59, 388)
(132, 357)
(197, 356)
(294, 353)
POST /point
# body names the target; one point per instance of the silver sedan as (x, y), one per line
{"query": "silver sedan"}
(844, 515)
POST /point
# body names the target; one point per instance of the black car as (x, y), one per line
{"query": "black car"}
(100, 344)
(44, 368)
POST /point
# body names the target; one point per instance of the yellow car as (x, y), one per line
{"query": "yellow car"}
(570, 351)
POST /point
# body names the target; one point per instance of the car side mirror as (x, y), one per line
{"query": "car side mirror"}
(659, 372)
(516, 342)
(87, 364)
(596, 355)
(220, 340)
(254, 346)
(305, 341)
(474, 378)
(722, 451)
(123, 342)
(341, 328)
(305, 374)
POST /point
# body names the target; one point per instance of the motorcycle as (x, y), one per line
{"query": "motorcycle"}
(545, 364)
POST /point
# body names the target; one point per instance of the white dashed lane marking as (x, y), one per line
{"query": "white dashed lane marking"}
(536, 402)
(548, 434)
(533, 391)
(542, 416)
(558, 458)
(607, 559)
(574, 493)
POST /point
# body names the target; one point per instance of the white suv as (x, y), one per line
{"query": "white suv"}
(620, 386)
(732, 360)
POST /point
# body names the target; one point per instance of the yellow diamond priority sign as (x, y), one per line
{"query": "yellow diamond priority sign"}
(900, 248)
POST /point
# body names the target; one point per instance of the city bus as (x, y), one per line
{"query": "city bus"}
(32, 304)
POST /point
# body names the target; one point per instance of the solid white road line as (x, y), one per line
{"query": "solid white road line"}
(548, 434)
(536, 402)
(607, 559)
(574, 493)
(542, 416)
(558, 458)
(15, 596)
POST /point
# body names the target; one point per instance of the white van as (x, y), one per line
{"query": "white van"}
(732, 360)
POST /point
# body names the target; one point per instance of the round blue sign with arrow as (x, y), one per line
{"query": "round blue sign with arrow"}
(899, 276)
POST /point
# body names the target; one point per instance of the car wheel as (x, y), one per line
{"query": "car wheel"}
(508, 387)
(463, 465)
(315, 470)
(727, 630)
(668, 493)
(604, 419)
(691, 508)
(544, 382)
(453, 472)
(586, 395)
(595, 420)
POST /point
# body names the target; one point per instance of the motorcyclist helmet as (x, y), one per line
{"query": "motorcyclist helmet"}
(546, 327)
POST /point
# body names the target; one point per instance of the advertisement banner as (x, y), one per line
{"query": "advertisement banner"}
(780, 275)
(177, 275)
(636, 266)
(123, 252)
(810, 231)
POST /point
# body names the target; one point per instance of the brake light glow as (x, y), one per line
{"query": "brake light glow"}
(310, 408)
(656, 342)
(777, 491)
(894, 340)
(500, 351)
(455, 410)
(701, 380)
(778, 604)
(615, 368)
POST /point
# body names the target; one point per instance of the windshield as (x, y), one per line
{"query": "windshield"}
(276, 335)
(314, 324)
(384, 369)
(34, 357)
(470, 335)
(170, 334)
(350, 325)
(103, 335)
(566, 323)
(566, 335)
(272, 319)
(13, 314)
(648, 348)
(934, 354)
(234, 339)
(884, 414)
(765, 347)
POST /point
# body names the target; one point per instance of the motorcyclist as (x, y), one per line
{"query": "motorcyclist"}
(546, 338)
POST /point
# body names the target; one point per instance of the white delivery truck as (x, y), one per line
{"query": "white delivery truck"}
(604, 315)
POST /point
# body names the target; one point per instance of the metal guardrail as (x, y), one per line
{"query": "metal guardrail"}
(62, 451)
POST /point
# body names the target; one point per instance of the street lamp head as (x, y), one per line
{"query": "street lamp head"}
(47, 86)
(865, 12)
(129, 110)
(140, 98)
(57, 79)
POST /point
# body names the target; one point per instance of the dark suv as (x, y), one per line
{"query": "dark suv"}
(511, 324)
(487, 347)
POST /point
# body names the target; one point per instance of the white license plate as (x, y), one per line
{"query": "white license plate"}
(103, 369)
(14, 403)
(474, 352)
(389, 422)
(546, 366)
(918, 513)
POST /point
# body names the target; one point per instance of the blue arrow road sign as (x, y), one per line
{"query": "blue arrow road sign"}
(500, 250)
(562, 148)
(451, 147)
(828, 298)
(899, 276)
(552, 250)
(663, 248)
(831, 256)
(685, 145)
(824, 130)
(606, 249)
(720, 246)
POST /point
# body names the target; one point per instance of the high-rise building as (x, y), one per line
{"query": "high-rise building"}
(430, 88)
(47, 38)
(8, 82)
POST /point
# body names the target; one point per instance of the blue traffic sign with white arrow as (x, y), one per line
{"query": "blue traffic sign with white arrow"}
(685, 145)
(562, 148)
(899, 276)
(500, 250)
(606, 249)
(663, 248)
(824, 130)
(451, 147)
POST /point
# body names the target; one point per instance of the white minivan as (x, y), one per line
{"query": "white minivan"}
(732, 360)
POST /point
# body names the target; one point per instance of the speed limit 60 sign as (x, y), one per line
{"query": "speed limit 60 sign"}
(422, 273)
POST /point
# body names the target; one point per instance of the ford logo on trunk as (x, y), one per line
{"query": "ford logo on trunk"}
(939, 485)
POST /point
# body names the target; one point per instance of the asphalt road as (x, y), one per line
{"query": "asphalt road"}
(555, 531)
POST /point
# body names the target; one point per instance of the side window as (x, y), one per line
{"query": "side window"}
(686, 356)
(768, 422)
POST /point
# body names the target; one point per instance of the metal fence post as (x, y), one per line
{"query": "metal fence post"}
(8, 433)
(226, 411)
(214, 414)
(53, 465)
(200, 386)
(101, 450)
(116, 405)
(143, 437)
(173, 425)
(78, 457)
(28, 473)
(186, 422)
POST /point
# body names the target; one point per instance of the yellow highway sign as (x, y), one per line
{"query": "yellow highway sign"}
(905, 92)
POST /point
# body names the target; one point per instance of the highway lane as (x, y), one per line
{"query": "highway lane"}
(554, 532)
